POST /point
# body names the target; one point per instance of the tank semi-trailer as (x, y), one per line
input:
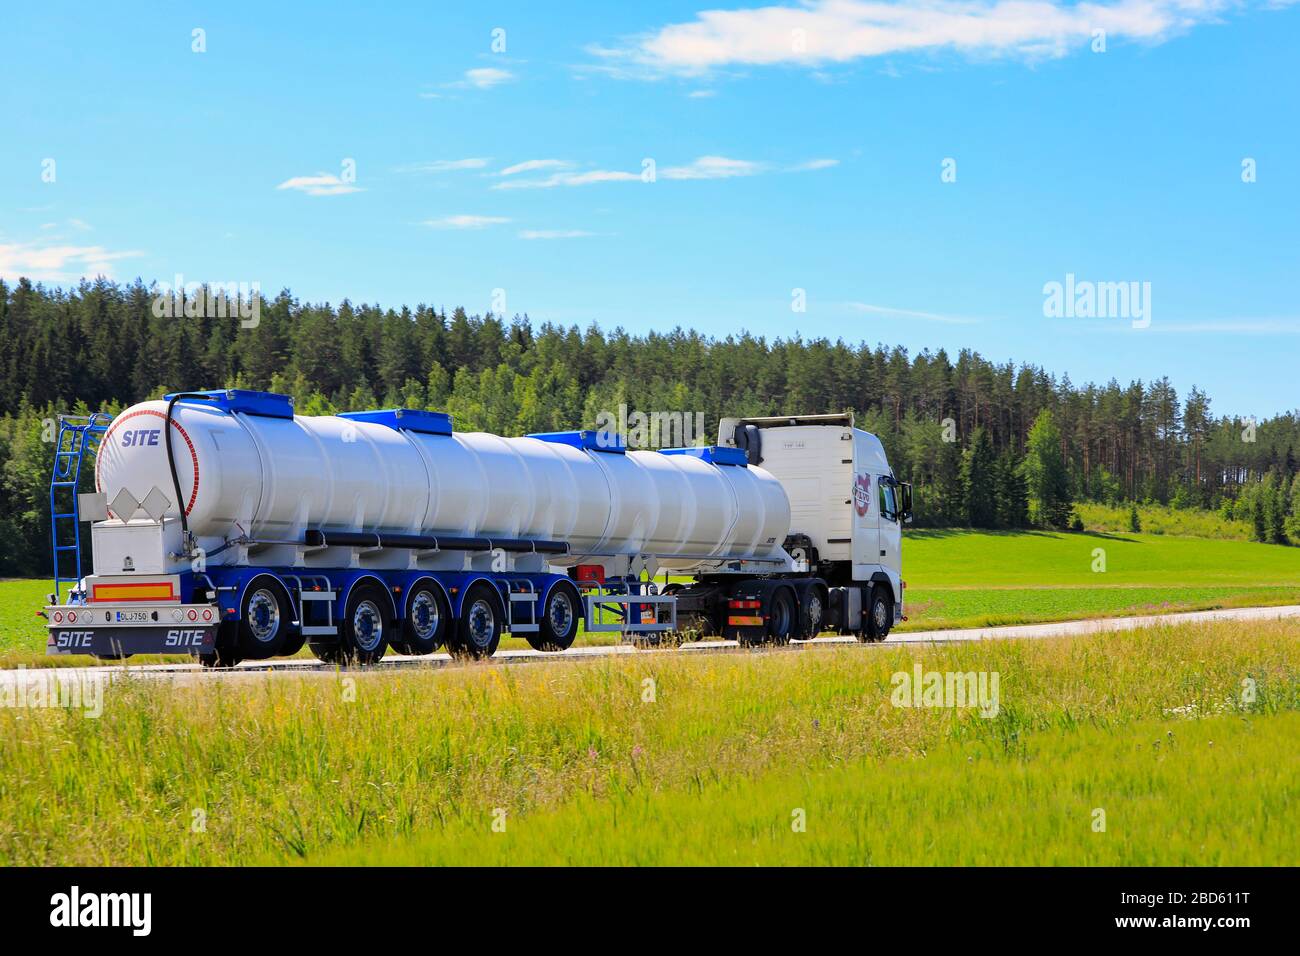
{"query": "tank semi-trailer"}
(367, 531)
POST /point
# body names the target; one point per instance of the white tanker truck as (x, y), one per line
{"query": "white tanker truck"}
(376, 530)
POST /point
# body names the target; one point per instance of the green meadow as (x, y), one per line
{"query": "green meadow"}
(672, 758)
(981, 579)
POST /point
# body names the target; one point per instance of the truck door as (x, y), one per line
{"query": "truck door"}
(891, 525)
(865, 513)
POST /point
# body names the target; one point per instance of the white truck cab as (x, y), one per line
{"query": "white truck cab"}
(846, 506)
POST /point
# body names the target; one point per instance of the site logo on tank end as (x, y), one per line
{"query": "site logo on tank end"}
(1086, 299)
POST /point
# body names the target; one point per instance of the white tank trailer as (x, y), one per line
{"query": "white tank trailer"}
(243, 531)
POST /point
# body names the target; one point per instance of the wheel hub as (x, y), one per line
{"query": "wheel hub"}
(263, 615)
(561, 615)
(367, 625)
(481, 623)
(424, 616)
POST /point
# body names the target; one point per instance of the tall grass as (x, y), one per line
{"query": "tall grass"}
(1212, 792)
(232, 771)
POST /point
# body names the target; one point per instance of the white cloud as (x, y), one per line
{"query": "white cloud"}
(570, 179)
(705, 167)
(444, 166)
(535, 165)
(58, 263)
(554, 233)
(322, 184)
(867, 309)
(80, 224)
(814, 164)
(701, 94)
(712, 167)
(838, 31)
(484, 78)
(464, 222)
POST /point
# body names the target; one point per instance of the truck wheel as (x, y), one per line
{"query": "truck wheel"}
(427, 620)
(328, 653)
(264, 619)
(478, 632)
(559, 623)
(812, 614)
(366, 626)
(295, 639)
(880, 614)
(780, 622)
(225, 652)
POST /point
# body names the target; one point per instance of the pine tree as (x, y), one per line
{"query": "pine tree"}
(978, 479)
(1134, 522)
(1012, 494)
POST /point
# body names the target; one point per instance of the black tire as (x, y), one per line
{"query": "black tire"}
(427, 620)
(880, 614)
(328, 653)
(781, 622)
(366, 626)
(293, 643)
(478, 630)
(559, 621)
(265, 619)
(224, 652)
(812, 615)
(295, 640)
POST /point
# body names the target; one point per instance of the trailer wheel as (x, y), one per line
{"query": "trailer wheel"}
(264, 619)
(427, 620)
(880, 615)
(478, 632)
(366, 626)
(225, 652)
(559, 623)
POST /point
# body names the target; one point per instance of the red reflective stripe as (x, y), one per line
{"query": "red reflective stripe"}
(194, 455)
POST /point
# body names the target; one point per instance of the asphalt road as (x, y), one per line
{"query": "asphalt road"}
(189, 673)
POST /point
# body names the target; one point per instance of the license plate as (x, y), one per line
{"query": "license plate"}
(132, 617)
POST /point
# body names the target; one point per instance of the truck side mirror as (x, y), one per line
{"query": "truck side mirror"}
(905, 501)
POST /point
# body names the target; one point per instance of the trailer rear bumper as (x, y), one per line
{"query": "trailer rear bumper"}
(120, 630)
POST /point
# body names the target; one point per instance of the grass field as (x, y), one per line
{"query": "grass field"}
(959, 579)
(979, 579)
(1211, 792)
(674, 758)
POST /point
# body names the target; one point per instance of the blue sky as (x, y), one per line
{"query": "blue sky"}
(795, 146)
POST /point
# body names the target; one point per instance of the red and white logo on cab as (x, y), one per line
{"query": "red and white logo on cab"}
(862, 494)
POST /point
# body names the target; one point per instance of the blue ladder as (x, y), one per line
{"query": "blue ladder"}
(77, 435)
